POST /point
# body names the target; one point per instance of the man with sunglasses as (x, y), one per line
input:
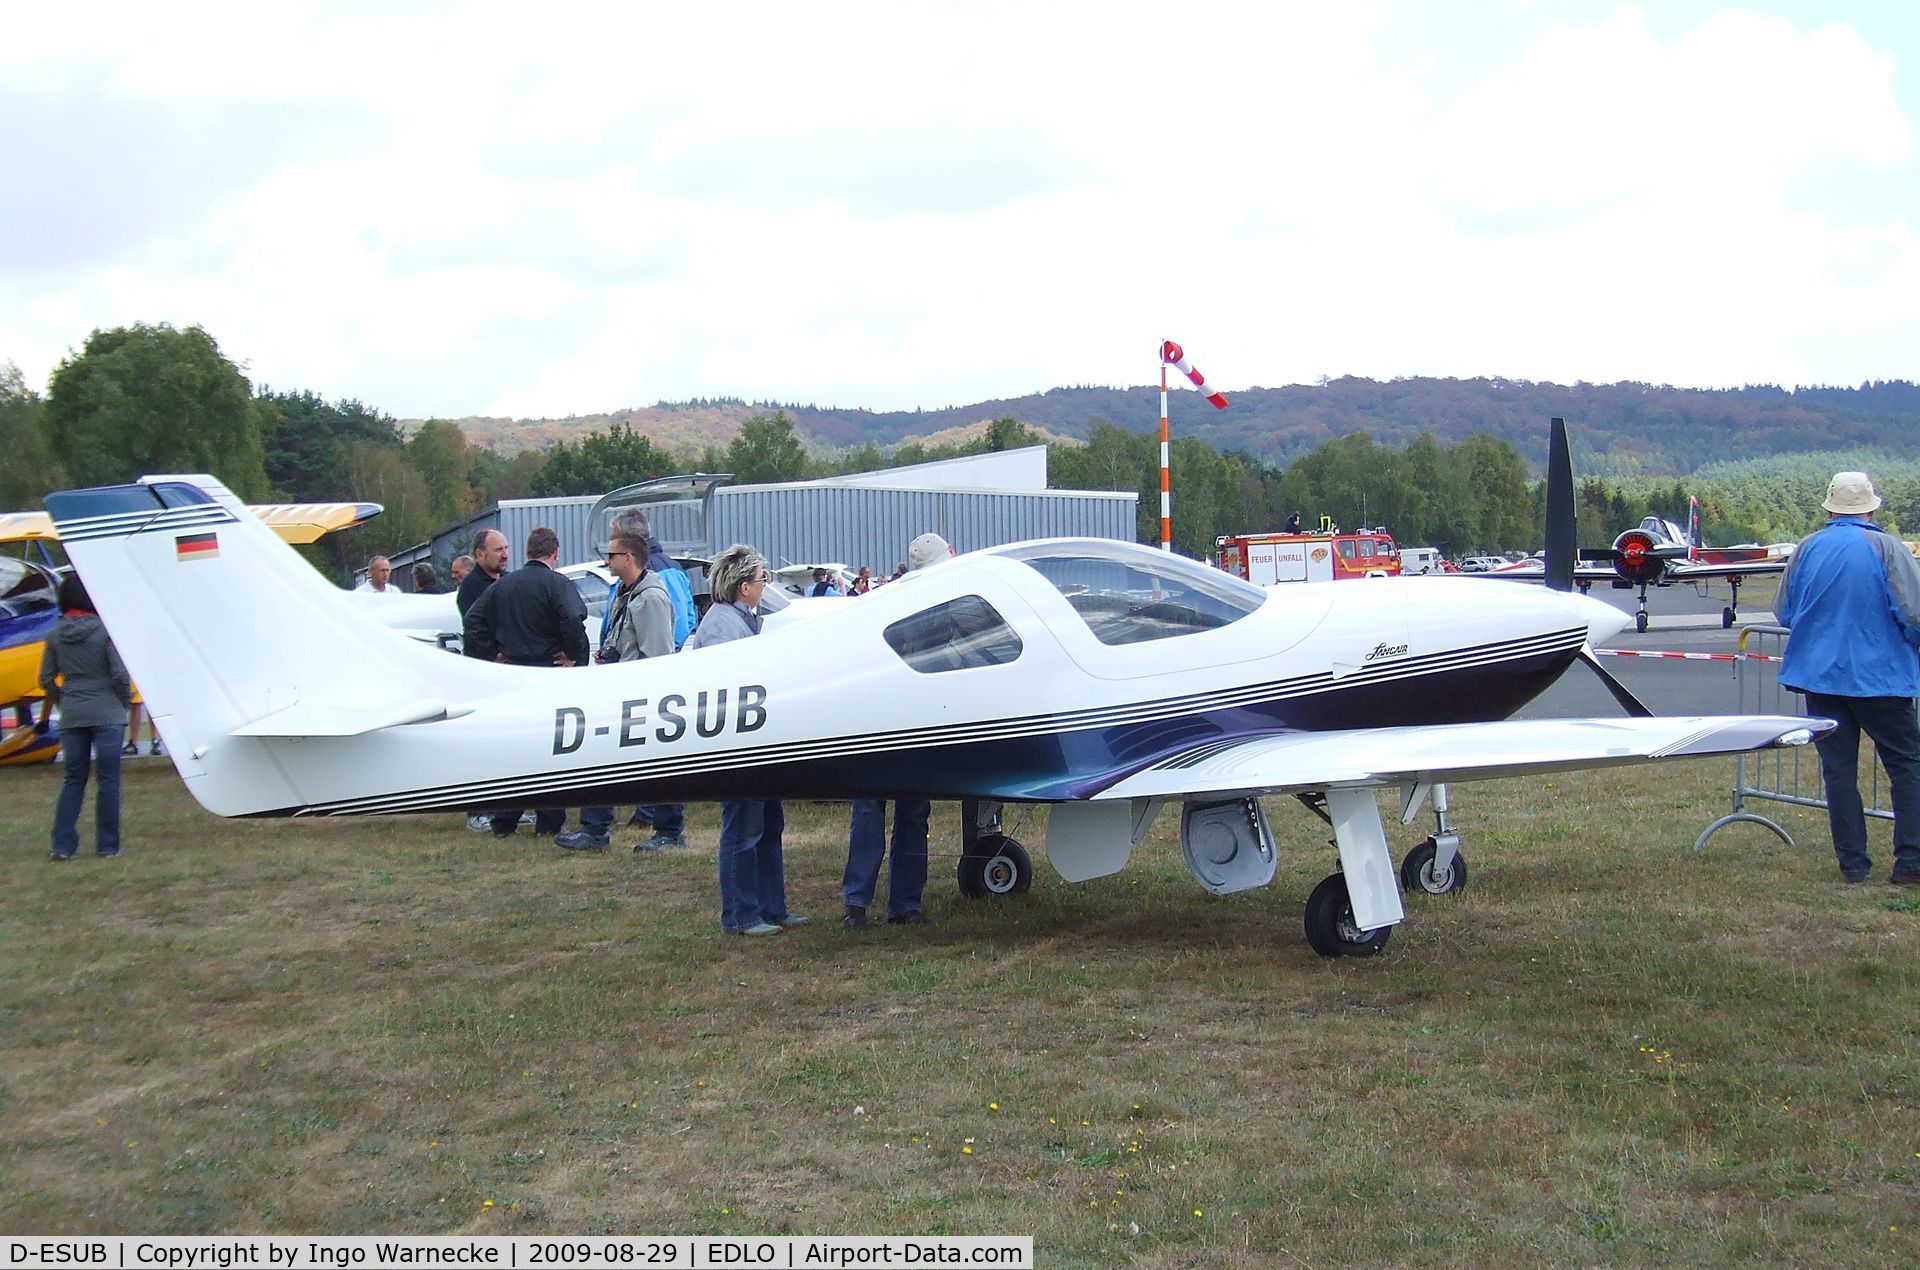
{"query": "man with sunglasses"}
(639, 624)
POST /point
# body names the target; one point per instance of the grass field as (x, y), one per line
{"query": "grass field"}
(1610, 1049)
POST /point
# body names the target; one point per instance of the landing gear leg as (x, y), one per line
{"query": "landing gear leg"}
(991, 863)
(1435, 866)
(1730, 614)
(1640, 617)
(1352, 912)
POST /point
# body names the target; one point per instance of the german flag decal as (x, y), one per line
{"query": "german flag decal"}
(196, 547)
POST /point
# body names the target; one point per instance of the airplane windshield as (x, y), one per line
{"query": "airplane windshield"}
(1129, 595)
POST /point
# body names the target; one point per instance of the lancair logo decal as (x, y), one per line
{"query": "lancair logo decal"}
(1387, 650)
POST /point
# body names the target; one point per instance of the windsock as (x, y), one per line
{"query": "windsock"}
(1173, 355)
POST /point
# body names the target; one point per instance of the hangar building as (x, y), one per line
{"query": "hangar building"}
(868, 518)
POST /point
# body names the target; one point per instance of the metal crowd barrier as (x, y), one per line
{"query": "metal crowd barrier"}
(1780, 776)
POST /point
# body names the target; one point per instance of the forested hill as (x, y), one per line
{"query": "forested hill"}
(1620, 429)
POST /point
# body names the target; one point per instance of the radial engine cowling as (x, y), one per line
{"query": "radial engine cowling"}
(1635, 557)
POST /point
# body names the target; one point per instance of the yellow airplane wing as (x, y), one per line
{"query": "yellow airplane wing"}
(309, 522)
(296, 523)
(27, 527)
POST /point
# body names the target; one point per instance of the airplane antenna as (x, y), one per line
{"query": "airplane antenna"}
(1561, 537)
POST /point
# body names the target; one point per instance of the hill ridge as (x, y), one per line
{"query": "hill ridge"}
(1621, 429)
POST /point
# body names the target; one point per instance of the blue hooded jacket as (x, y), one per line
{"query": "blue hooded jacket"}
(1851, 595)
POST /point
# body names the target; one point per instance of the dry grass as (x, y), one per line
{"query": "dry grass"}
(1610, 1049)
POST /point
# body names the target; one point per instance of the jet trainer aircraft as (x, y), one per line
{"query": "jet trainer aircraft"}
(1102, 678)
(1660, 553)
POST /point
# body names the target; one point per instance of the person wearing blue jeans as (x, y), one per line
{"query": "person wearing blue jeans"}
(669, 821)
(907, 874)
(752, 864)
(753, 870)
(81, 672)
(102, 744)
(1850, 596)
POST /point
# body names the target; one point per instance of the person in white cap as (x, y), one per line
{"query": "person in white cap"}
(1851, 596)
(867, 838)
(927, 549)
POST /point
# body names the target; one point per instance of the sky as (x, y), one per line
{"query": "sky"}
(538, 211)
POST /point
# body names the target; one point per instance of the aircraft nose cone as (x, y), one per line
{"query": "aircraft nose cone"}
(1603, 621)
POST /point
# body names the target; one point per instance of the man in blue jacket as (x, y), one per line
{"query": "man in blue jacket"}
(1851, 595)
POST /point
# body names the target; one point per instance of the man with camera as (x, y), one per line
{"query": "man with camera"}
(639, 624)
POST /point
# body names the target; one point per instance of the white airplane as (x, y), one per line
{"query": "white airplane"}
(1101, 678)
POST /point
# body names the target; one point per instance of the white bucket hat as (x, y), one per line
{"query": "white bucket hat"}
(1851, 494)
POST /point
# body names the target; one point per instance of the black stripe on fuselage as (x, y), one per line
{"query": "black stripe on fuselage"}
(1042, 757)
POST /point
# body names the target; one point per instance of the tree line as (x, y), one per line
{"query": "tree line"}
(149, 398)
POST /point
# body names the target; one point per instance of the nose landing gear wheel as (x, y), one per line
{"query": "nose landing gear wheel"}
(1416, 871)
(1329, 921)
(1640, 623)
(995, 865)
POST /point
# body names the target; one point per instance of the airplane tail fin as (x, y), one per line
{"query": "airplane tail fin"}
(1561, 535)
(1693, 527)
(232, 637)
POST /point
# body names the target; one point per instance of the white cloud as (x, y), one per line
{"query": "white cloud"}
(473, 209)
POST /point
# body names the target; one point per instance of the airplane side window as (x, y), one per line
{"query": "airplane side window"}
(961, 634)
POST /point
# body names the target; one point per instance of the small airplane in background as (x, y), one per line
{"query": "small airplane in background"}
(29, 586)
(1103, 679)
(1660, 553)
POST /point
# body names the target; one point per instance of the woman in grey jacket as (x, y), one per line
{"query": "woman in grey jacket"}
(753, 866)
(81, 673)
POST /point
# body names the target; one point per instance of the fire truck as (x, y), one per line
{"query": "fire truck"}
(1327, 556)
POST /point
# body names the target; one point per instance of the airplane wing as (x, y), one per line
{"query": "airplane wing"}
(27, 527)
(1380, 757)
(295, 522)
(309, 522)
(1682, 571)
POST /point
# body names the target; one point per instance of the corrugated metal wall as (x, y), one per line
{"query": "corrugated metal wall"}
(856, 526)
(804, 524)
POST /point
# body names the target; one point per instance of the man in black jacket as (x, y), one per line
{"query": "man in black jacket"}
(488, 564)
(534, 617)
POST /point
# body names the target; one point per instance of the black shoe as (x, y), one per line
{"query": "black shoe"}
(582, 840)
(55, 855)
(107, 855)
(1904, 877)
(636, 820)
(913, 917)
(1853, 879)
(508, 832)
(855, 918)
(662, 842)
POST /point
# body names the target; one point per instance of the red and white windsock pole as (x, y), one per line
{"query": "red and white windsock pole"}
(1171, 354)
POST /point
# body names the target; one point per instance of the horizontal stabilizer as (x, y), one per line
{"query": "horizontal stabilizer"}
(326, 719)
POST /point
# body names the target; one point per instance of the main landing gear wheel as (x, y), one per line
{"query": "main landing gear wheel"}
(995, 865)
(1330, 927)
(1726, 619)
(1416, 871)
